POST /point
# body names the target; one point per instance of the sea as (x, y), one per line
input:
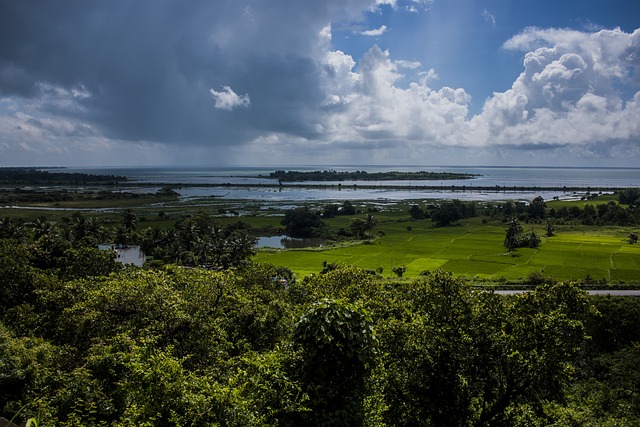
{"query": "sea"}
(500, 179)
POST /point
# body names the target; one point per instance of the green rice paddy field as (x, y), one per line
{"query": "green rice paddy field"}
(475, 249)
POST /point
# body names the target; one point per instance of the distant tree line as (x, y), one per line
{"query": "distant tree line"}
(610, 213)
(34, 176)
(39, 195)
(333, 175)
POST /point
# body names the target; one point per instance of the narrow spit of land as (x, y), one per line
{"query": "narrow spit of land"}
(333, 175)
(35, 176)
(328, 179)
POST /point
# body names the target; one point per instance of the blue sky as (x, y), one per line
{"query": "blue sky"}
(332, 82)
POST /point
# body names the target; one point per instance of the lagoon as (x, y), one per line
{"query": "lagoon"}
(252, 183)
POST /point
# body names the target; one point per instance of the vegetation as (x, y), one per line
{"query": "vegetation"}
(205, 335)
(195, 347)
(333, 175)
(34, 176)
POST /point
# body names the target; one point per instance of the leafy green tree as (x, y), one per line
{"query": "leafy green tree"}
(446, 214)
(399, 271)
(358, 226)
(88, 262)
(630, 196)
(533, 241)
(347, 208)
(536, 209)
(456, 356)
(48, 250)
(26, 368)
(18, 279)
(416, 212)
(337, 351)
(513, 235)
(331, 211)
(302, 222)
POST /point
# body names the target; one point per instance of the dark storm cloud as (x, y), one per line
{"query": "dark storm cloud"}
(147, 66)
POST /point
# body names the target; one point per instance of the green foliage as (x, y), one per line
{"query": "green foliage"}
(302, 222)
(337, 350)
(200, 240)
(513, 235)
(630, 196)
(399, 271)
(189, 346)
(332, 175)
(417, 213)
(88, 262)
(459, 356)
(450, 212)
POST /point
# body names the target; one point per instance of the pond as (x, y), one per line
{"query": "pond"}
(286, 242)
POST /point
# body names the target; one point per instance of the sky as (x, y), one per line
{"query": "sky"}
(310, 82)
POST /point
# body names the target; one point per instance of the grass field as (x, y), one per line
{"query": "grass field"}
(475, 249)
(472, 248)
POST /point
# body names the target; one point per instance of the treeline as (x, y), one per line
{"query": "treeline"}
(444, 213)
(40, 195)
(610, 213)
(625, 212)
(33, 176)
(303, 222)
(333, 175)
(193, 240)
(241, 347)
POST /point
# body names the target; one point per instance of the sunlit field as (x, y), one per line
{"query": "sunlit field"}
(475, 249)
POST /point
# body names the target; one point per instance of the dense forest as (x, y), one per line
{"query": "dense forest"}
(86, 341)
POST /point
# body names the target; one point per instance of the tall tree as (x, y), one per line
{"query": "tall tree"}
(129, 220)
(513, 235)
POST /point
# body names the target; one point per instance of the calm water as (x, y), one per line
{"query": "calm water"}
(488, 177)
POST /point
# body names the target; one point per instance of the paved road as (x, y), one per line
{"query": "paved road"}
(613, 292)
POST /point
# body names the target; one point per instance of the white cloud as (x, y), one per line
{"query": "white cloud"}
(489, 17)
(408, 64)
(568, 93)
(567, 96)
(377, 32)
(376, 113)
(228, 99)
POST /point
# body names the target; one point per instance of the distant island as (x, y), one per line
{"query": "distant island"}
(35, 176)
(333, 175)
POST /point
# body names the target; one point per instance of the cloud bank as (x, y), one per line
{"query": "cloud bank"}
(221, 81)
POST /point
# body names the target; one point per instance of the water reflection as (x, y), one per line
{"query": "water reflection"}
(286, 242)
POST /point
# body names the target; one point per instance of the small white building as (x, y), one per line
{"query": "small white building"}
(126, 254)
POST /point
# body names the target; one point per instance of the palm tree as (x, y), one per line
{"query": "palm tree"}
(42, 227)
(129, 220)
(204, 248)
(370, 223)
(10, 228)
(151, 238)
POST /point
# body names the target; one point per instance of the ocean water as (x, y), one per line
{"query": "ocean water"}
(214, 178)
